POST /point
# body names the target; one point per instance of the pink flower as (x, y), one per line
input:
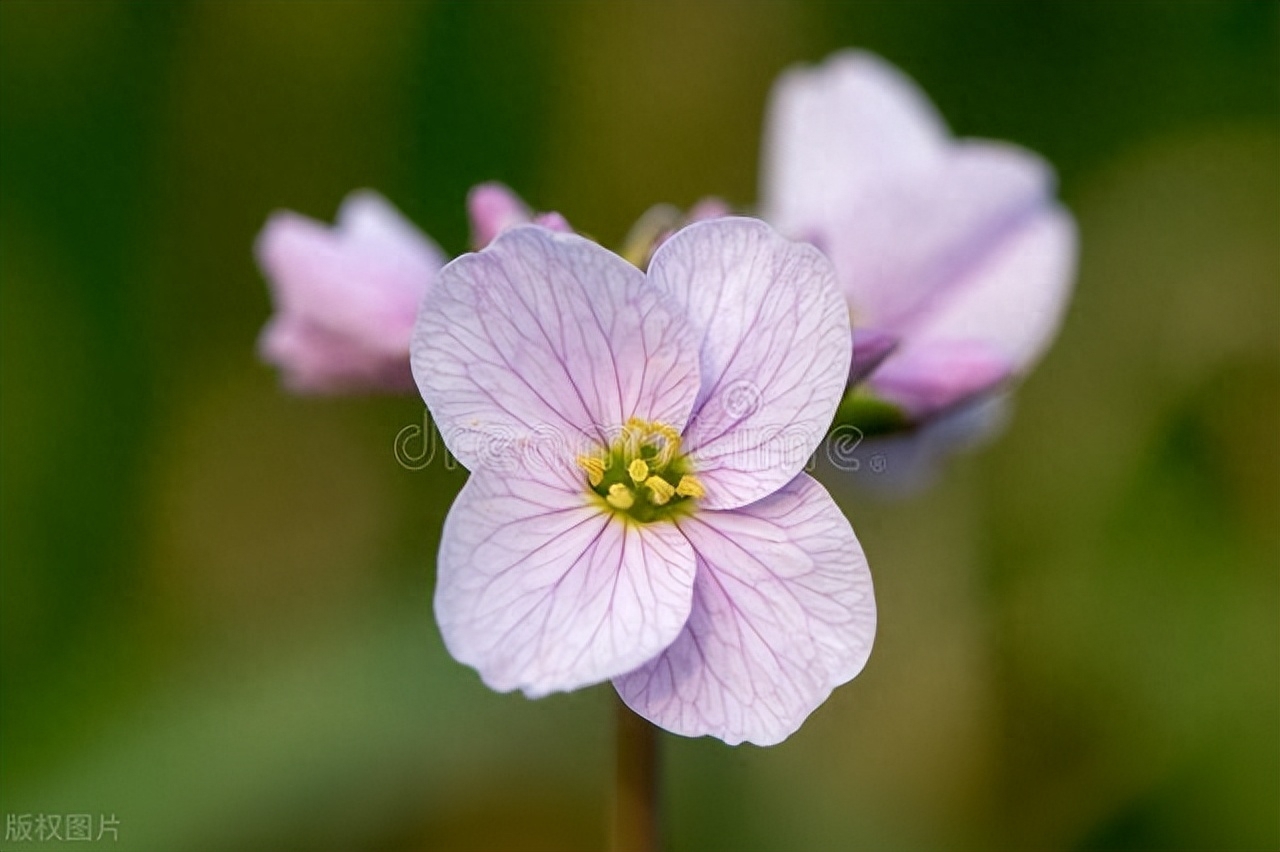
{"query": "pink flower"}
(345, 297)
(493, 208)
(637, 510)
(952, 254)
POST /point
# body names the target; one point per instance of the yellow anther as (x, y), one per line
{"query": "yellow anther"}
(634, 428)
(637, 433)
(637, 474)
(620, 496)
(670, 443)
(661, 490)
(689, 486)
(594, 468)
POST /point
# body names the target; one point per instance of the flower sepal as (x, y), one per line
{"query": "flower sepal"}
(871, 415)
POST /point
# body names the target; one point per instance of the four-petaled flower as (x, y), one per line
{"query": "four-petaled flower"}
(628, 516)
(955, 258)
(637, 510)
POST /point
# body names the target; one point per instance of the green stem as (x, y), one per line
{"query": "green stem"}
(635, 805)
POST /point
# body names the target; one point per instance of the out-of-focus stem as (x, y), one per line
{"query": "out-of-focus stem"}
(636, 800)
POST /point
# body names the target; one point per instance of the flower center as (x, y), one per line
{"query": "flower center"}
(643, 474)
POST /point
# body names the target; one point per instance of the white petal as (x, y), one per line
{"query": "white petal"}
(833, 130)
(910, 241)
(1015, 299)
(548, 336)
(783, 612)
(542, 589)
(373, 223)
(775, 352)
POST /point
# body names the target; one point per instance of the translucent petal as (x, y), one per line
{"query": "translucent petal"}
(775, 351)
(783, 612)
(541, 589)
(1014, 301)
(547, 342)
(834, 130)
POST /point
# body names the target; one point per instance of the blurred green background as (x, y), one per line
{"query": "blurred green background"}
(215, 620)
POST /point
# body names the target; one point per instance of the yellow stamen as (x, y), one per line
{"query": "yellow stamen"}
(670, 444)
(653, 223)
(620, 496)
(638, 470)
(689, 486)
(632, 432)
(594, 468)
(661, 489)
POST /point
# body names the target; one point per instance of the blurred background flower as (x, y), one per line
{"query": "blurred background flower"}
(215, 598)
(345, 297)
